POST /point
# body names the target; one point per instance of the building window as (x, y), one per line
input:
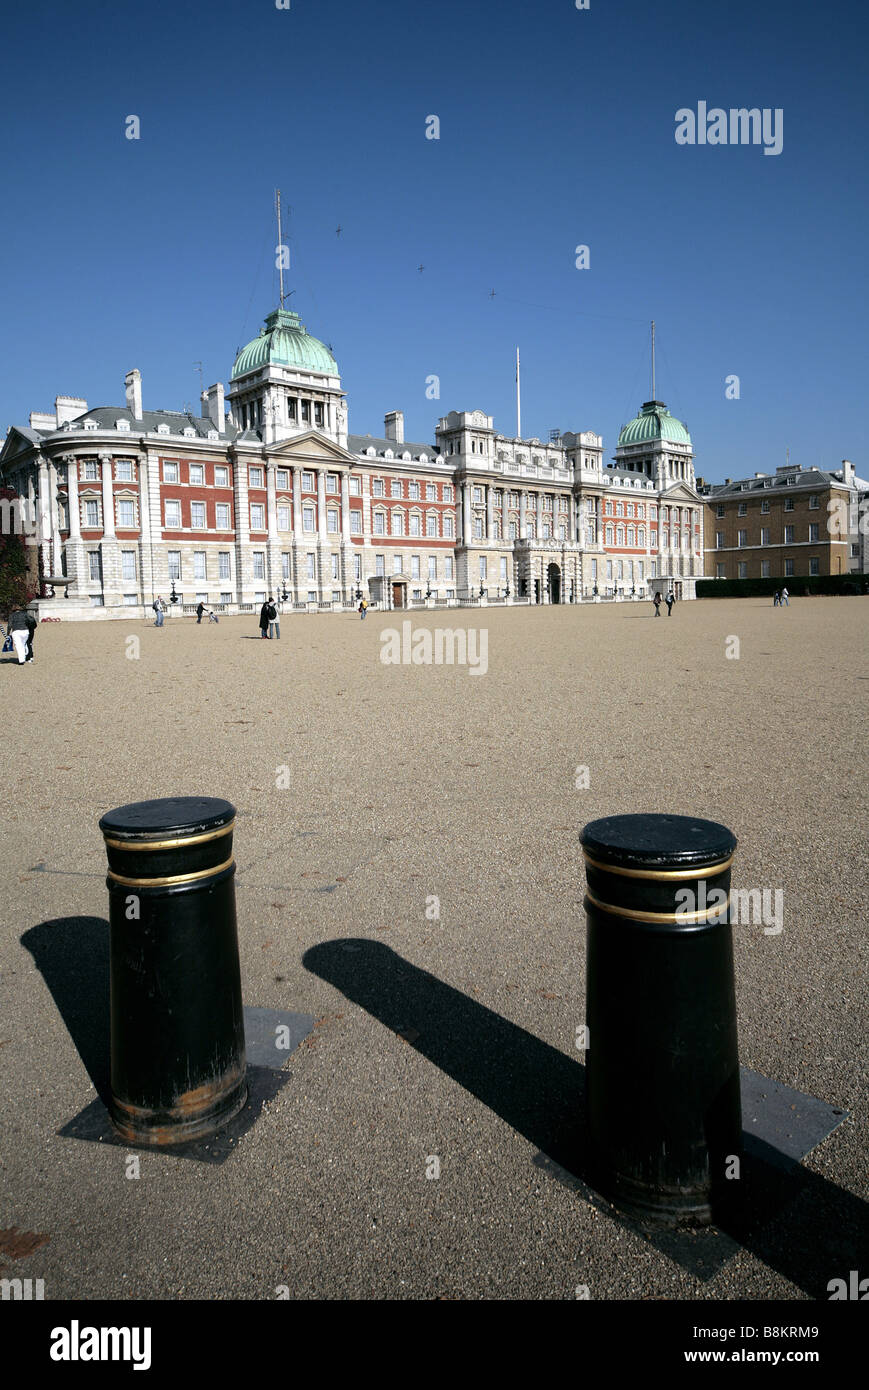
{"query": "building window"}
(256, 477)
(226, 598)
(197, 474)
(199, 565)
(449, 527)
(197, 516)
(641, 535)
(222, 516)
(742, 538)
(764, 535)
(764, 506)
(395, 488)
(719, 571)
(814, 502)
(128, 564)
(379, 524)
(355, 487)
(356, 523)
(259, 564)
(173, 558)
(431, 524)
(813, 531)
(415, 525)
(173, 515)
(283, 518)
(379, 566)
(448, 492)
(789, 568)
(814, 565)
(431, 492)
(742, 569)
(285, 564)
(789, 504)
(91, 513)
(96, 600)
(308, 519)
(742, 509)
(413, 491)
(318, 412)
(223, 561)
(91, 471)
(307, 482)
(719, 540)
(396, 564)
(126, 513)
(511, 530)
(291, 409)
(332, 520)
(432, 567)
(448, 567)
(170, 472)
(764, 569)
(311, 571)
(414, 567)
(609, 535)
(124, 470)
(334, 566)
(131, 600)
(357, 567)
(377, 487)
(331, 482)
(397, 523)
(478, 528)
(631, 537)
(282, 479)
(221, 476)
(789, 535)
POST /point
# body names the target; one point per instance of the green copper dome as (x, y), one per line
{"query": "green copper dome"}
(284, 342)
(654, 422)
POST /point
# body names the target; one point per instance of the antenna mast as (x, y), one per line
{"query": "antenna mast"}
(280, 245)
(654, 397)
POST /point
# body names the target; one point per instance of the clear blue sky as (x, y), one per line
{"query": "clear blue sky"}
(557, 129)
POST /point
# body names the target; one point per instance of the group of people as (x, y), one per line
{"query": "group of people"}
(670, 600)
(269, 619)
(18, 634)
(780, 599)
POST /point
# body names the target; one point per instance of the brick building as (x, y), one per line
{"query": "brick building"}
(266, 492)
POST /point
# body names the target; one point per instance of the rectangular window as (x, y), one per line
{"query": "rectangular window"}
(283, 518)
(379, 524)
(357, 567)
(764, 535)
(764, 506)
(448, 492)
(432, 567)
(197, 515)
(332, 520)
(448, 567)
(719, 540)
(355, 487)
(331, 482)
(318, 416)
(449, 527)
(413, 491)
(308, 519)
(170, 472)
(201, 597)
(813, 531)
(484, 567)
(197, 474)
(814, 565)
(719, 571)
(223, 570)
(91, 471)
(417, 593)
(256, 477)
(91, 513)
(789, 535)
(356, 523)
(379, 565)
(814, 502)
(478, 494)
(414, 567)
(742, 509)
(742, 570)
(396, 564)
(789, 568)
(124, 470)
(131, 600)
(431, 524)
(282, 479)
(221, 476)
(377, 487)
(397, 523)
(173, 558)
(173, 515)
(334, 566)
(743, 538)
(307, 482)
(764, 569)
(431, 492)
(478, 528)
(415, 525)
(226, 598)
(199, 562)
(311, 570)
(285, 564)
(128, 564)
(257, 516)
(395, 488)
(126, 513)
(259, 564)
(306, 412)
(789, 504)
(222, 516)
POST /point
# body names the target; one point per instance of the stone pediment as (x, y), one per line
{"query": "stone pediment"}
(311, 446)
(680, 492)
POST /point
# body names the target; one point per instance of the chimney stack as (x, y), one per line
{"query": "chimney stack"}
(133, 383)
(393, 423)
(847, 472)
(213, 407)
(68, 408)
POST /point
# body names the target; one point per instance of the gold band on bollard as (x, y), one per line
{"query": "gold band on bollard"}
(172, 844)
(662, 875)
(708, 915)
(172, 880)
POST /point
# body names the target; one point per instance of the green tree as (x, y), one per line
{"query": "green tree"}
(15, 592)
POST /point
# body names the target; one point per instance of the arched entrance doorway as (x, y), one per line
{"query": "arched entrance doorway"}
(399, 594)
(553, 583)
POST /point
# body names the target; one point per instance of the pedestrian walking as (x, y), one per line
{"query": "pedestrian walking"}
(657, 602)
(776, 599)
(264, 619)
(363, 608)
(159, 608)
(784, 598)
(274, 620)
(671, 599)
(200, 609)
(22, 626)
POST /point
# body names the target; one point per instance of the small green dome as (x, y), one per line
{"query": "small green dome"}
(654, 422)
(284, 342)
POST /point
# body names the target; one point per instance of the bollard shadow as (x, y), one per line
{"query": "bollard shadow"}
(808, 1229)
(72, 955)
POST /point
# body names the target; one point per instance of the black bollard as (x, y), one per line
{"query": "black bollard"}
(177, 1029)
(662, 1064)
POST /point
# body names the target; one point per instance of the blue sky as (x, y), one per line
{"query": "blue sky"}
(557, 129)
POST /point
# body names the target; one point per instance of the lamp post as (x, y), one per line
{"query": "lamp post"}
(173, 597)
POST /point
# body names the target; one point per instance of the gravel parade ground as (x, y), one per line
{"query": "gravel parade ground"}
(364, 791)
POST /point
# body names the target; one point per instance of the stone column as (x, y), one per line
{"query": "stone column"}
(522, 521)
(298, 537)
(273, 553)
(490, 511)
(54, 512)
(324, 563)
(44, 515)
(75, 556)
(109, 551)
(243, 564)
(467, 527)
(346, 545)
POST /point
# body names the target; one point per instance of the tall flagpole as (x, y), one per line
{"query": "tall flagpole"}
(518, 400)
(280, 247)
(654, 397)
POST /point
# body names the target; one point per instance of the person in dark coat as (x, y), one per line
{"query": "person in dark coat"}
(264, 621)
(670, 600)
(200, 609)
(657, 602)
(22, 626)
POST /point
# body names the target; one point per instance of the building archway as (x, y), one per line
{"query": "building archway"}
(553, 583)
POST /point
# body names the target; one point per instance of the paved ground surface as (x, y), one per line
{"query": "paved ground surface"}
(406, 782)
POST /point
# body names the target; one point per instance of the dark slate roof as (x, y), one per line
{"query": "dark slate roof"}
(802, 477)
(358, 443)
(177, 420)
